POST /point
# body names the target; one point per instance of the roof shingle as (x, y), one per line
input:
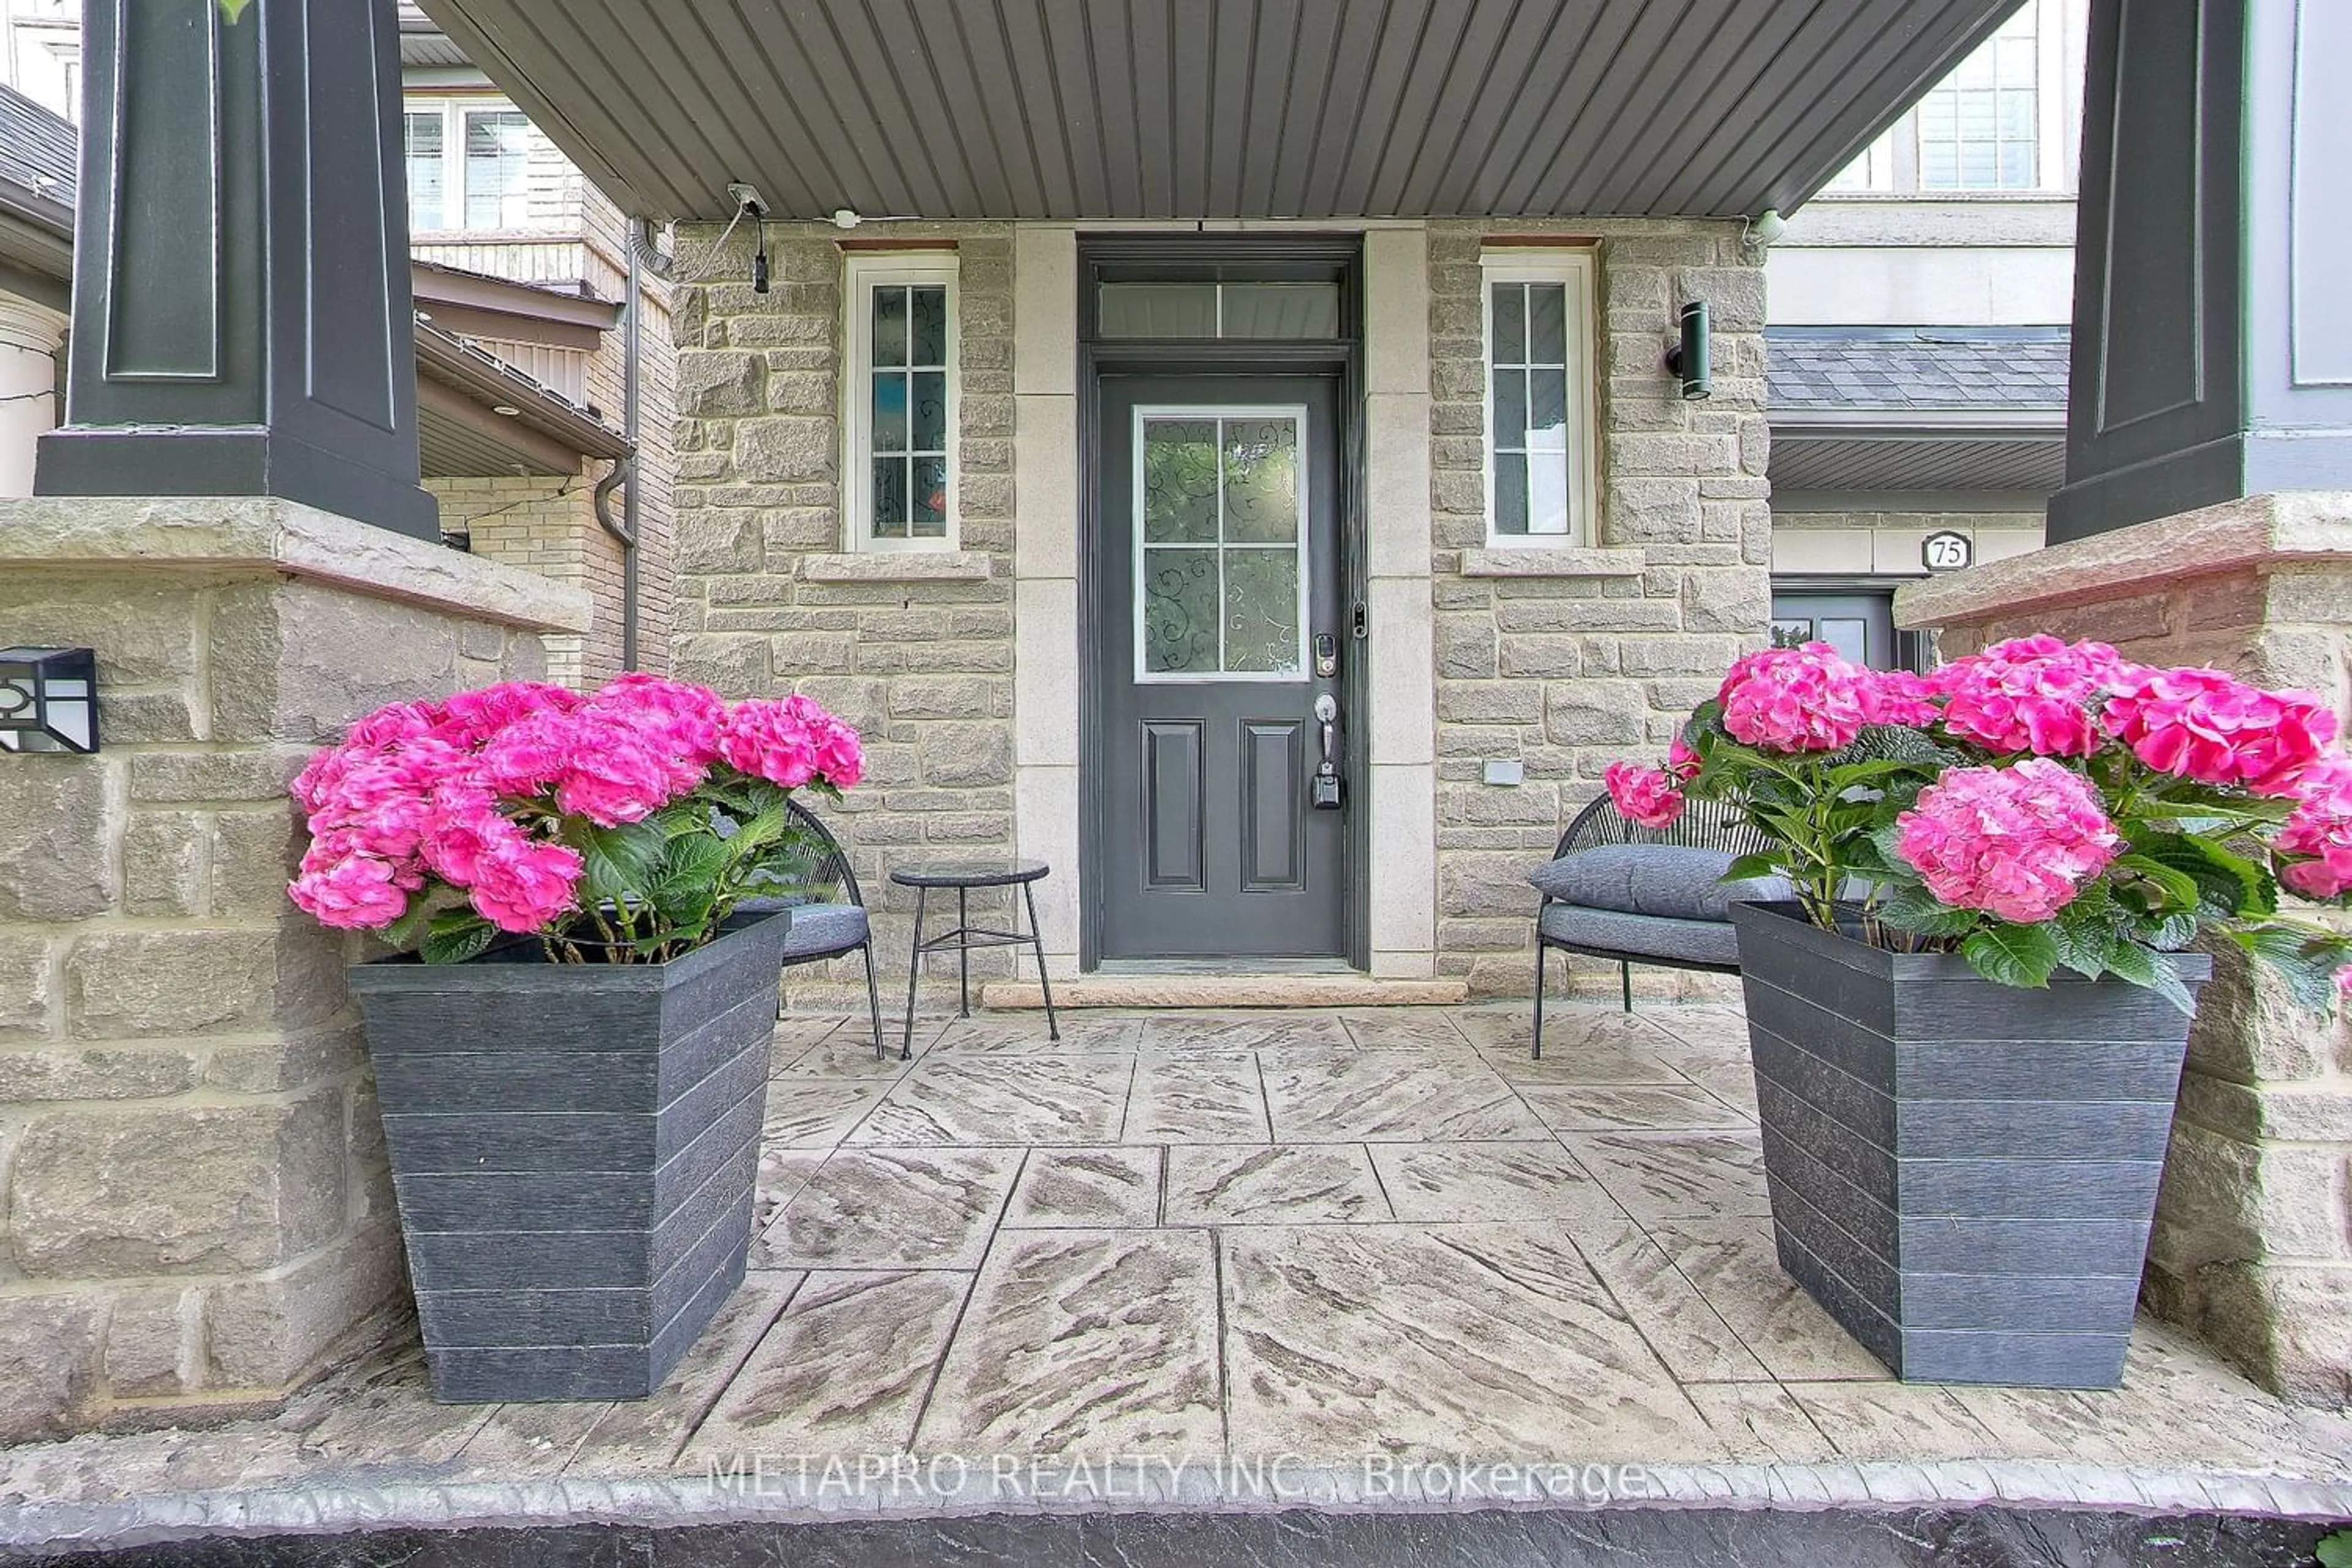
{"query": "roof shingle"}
(1922, 369)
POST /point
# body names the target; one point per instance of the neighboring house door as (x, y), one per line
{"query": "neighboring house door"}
(1859, 624)
(1217, 582)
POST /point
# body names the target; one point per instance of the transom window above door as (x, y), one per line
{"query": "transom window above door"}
(1220, 544)
(1539, 425)
(899, 424)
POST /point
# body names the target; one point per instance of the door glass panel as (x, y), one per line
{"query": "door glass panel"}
(1293, 310)
(1262, 480)
(1180, 481)
(1262, 611)
(1219, 544)
(1792, 631)
(1180, 611)
(1848, 635)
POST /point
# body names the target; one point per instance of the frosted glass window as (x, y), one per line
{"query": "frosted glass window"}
(1220, 541)
(907, 423)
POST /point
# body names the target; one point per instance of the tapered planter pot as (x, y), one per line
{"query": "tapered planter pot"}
(1963, 1173)
(574, 1148)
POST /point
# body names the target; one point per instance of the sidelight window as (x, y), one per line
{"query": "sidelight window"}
(900, 422)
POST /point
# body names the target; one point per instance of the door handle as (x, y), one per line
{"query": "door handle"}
(1326, 793)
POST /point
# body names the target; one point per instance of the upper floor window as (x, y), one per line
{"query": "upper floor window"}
(899, 426)
(469, 166)
(2006, 120)
(1978, 127)
(1540, 427)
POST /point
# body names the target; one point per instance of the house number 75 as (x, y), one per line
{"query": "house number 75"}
(1945, 551)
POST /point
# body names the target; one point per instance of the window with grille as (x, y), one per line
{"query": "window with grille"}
(1539, 434)
(1978, 127)
(899, 464)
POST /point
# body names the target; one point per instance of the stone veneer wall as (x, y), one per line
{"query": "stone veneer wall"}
(1566, 660)
(2252, 1245)
(197, 1209)
(915, 650)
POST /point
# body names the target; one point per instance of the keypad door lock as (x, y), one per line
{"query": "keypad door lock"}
(1324, 794)
(1326, 657)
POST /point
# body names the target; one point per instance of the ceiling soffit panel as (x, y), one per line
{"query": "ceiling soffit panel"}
(1215, 109)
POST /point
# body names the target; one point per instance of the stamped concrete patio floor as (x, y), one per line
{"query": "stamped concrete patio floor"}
(1322, 1235)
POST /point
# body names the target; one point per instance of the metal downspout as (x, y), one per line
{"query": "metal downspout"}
(624, 472)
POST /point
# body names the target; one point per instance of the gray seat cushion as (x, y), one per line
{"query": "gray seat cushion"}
(1675, 881)
(818, 930)
(1653, 936)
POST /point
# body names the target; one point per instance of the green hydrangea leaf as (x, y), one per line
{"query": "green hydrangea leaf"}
(2013, 955)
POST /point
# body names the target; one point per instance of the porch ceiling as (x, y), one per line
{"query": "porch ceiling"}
(1238, 108)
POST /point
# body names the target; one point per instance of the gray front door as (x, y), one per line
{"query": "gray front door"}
(1861, 626)
(1216, 573)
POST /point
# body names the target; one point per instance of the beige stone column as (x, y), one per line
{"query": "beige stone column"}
(30, 337)
(1402, 733)
(196, 1212)
(1047, 655)
(2253, 1242)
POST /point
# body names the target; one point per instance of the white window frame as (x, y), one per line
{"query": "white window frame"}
(453, 112)
(1577, 270)
(862, 272)
(1301, 544)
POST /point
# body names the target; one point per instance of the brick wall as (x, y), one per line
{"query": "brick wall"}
(768, 602)
(1600, 653)
(545, 523)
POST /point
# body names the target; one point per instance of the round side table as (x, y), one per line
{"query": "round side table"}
(964, 878)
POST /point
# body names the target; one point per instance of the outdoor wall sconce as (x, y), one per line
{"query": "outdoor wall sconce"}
(1690, 359)
(48, 700)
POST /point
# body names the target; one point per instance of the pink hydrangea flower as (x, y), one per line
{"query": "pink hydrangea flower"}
(1796, 699)
(2344, 983)
(2016, 842)
(1900, 697)
(1682, 762)
(2319, 831)
(679, 718)
(1643, 794)
(356, 892)
(524, 886)
(469, 718)
(2208, 725)
(2030, 694)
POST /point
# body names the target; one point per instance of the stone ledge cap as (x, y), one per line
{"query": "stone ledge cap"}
(897, 567)
(267, 533)
(1585, 561)
(2252, 533)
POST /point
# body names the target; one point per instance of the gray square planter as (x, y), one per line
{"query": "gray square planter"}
(574, 1149)
(1962, 1173)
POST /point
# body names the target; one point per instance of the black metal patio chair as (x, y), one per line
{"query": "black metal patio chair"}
(1687, 939)
(829, 915)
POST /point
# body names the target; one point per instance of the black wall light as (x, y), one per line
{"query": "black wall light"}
(1692, 358)
(48, 700)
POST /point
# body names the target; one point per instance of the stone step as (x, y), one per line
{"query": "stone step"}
(1228, 991)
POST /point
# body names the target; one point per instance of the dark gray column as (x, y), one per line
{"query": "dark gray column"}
(241, 314)
(2212, 322)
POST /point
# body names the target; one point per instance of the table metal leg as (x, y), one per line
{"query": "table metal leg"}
(964, 955)
(914, 973)
(1037, 941)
